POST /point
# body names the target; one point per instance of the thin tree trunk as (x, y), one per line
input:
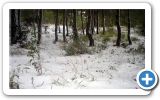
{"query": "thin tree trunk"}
(103, 21)
(143, 27)
(19, 26)
(34, 22)
(13, 31)
(92, 21)
(106, 20)
(82, 22)
(15, 27)
(56, 26)
(39, 25)
(75, 33)
(118, 28)
(129, 26)
(67, 22)
(97, 23)
(59, 22)
(64, 20)
(88, 29)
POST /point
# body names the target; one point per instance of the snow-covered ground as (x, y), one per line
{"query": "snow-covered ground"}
(112, 68)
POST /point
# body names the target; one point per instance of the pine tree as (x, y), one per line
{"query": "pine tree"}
(75, 33)
(118, 27)
(88, 29)
(56, 26)
(64, 21)
(97, 22)
(39, 23)
(82, 21)
(103, 21)
(129, 26)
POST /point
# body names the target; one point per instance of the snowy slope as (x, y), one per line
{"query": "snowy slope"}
(112, 68)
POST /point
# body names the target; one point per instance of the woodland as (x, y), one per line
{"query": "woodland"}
(76, 48)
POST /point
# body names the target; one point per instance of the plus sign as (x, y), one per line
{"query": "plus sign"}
(147, 79)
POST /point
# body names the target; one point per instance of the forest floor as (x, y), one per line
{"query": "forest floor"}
(111, 68)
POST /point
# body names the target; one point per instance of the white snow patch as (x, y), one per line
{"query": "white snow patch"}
(112, 68)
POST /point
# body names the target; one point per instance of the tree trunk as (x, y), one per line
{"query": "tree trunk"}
(39, 25)
(118, 28)
(13, 31)
(82, 22)
(143, 27)
(59, 22)
(20, 35)
(92, 21)
(97, 23)
(75, 33)
(34, 23)
(129, 26)
(88, 29)
(56, 26)
(64, 20)
(103, 21)
(67, 22)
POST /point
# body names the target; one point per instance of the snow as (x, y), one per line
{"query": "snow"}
(112, 68)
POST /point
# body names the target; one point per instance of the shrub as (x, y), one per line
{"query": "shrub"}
(13, 84)
(33, 52)
(76, 47)
(140, 49)
(107, 35)
(123, 36)
(105, 39)
(83, 38)
(134, 38)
